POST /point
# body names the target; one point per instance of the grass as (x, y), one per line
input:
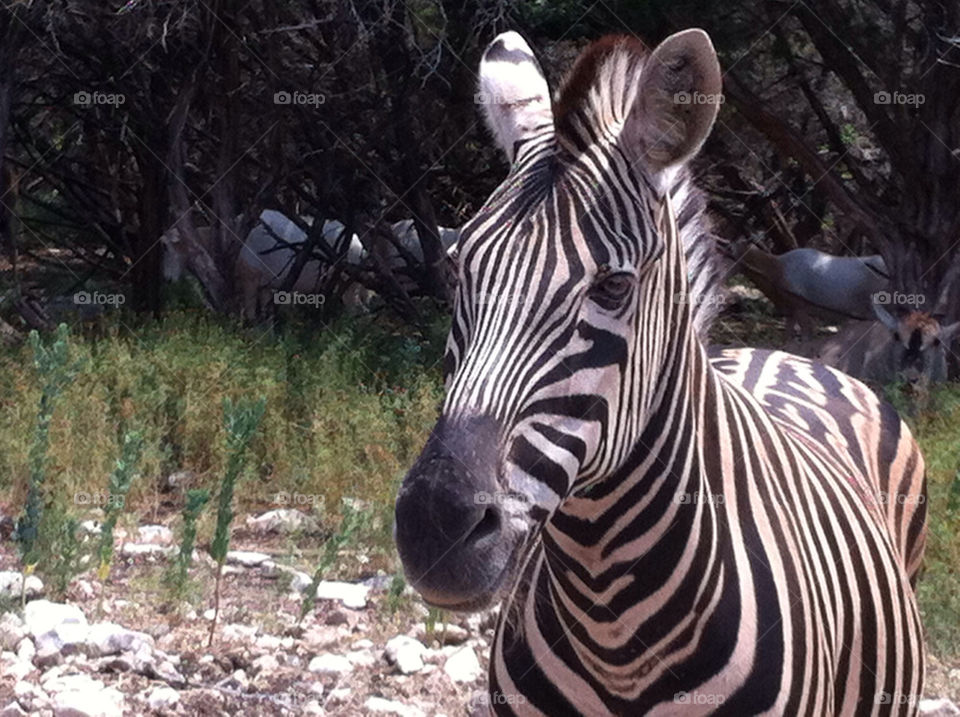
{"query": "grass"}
(348, 408)
(938, 432)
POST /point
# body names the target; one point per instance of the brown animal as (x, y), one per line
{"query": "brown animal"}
(910, 347)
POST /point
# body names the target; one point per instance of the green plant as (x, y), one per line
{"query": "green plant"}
(55, 370)
(197, 498)
(351, 522)
(240, 422)
(118, 487)
(68, 550)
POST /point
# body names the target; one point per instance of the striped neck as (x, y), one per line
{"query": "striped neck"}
(585, 588)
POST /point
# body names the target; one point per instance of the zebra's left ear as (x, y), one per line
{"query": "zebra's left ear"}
(677, 101)
(513, 92)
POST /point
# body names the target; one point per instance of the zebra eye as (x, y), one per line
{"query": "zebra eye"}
(612, 291)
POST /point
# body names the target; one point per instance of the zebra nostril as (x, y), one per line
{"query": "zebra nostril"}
(489, 524)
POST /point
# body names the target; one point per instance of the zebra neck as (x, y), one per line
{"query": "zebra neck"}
(588, 590)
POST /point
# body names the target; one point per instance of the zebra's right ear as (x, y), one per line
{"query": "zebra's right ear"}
(513, 92)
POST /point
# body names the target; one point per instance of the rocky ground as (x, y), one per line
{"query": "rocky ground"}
(122, 650)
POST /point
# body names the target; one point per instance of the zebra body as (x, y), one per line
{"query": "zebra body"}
(671, 533)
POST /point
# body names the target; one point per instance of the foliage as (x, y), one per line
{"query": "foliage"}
(177, 577)
(351, 523)
(118, 487)
(240, 420)
(55, 370)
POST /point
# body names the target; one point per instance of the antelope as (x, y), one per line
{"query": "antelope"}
(806, 281)
(271, 248)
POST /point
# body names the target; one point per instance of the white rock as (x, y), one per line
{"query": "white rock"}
(406, 653)
(283, 520)
(26, 650)
(313, 707)
(330, 664)
(300, 581)
(147, 550)
(88, 702)
(463, 666)
(108, 638)
(156, 534)
(247, 558)
(86, 589)
(162, 698)
(938, 708)
(239, 680)
(12, 631)
(12, 666)
(265, 664)
(12, 710)
(238, 632)
(362, 658)
(33, 697)
(350, 594)
(341, 694)
(11, 582)
(444, 633)
(363, 644)
(90, 527)
(268, 643)
(391, 707)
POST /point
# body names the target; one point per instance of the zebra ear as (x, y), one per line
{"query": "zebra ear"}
(677, 101)
(513, 92)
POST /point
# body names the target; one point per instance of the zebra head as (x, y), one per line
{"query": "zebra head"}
(567, 324)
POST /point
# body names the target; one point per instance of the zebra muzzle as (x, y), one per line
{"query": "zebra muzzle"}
(451, 530)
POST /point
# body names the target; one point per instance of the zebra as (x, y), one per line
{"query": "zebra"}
(670, 531)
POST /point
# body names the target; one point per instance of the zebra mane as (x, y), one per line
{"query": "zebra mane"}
(592, 103)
